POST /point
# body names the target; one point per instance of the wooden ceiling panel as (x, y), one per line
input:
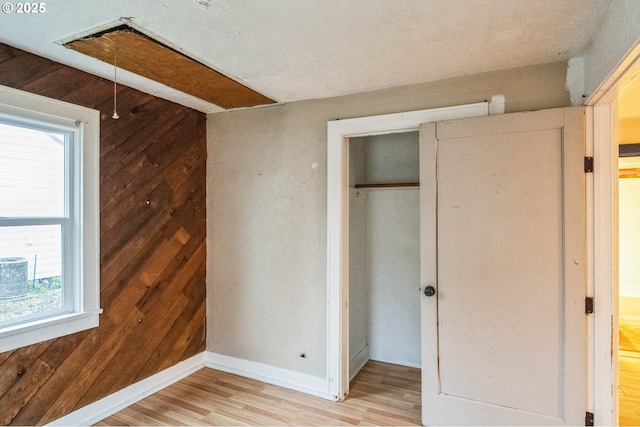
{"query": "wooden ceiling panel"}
(149, 58)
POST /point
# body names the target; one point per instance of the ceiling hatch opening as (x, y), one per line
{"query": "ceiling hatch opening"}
(144, 55)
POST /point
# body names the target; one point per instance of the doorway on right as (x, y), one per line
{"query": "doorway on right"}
(629, 256)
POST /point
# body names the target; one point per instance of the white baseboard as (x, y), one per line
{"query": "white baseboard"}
(358, 361)
(396, 362)
(119, 400)
(308, 384)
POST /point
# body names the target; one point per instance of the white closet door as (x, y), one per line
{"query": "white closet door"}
(503, 246)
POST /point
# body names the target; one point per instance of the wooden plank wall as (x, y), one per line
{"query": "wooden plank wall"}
(152, 213)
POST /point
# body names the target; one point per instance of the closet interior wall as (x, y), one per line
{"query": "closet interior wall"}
(384, 250)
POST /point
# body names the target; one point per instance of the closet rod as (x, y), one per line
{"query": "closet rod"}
(389, 185)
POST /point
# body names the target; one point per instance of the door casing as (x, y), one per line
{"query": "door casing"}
(602, 139)
(338, 134)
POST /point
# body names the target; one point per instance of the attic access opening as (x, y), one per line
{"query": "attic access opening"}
(141, 54)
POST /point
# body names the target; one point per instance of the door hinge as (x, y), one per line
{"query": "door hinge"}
(588, 305)
(588, 164)
(588, 419)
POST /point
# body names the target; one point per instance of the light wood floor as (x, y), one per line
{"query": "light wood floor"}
(381, 394)
(629, 388)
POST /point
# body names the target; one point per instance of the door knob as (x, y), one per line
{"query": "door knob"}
(429, 291)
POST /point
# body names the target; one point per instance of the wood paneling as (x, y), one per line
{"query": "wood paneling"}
(144, 56)
(152, 213)
(381, 394)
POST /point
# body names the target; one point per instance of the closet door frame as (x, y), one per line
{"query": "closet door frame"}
(338, 134)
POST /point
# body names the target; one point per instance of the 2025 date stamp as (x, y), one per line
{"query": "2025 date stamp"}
(24, 8)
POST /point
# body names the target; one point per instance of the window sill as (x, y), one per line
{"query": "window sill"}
(25, 334)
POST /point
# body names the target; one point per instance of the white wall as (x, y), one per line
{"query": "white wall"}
(617, 34)
(358, 288)
(393, 267)
(384, 251)
(358, 283)
(267, 201)
(629, 240)
(390, 158)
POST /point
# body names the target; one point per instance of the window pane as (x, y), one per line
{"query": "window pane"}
(32, 176)
(30, 272)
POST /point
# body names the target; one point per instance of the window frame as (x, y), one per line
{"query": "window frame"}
(83, 261)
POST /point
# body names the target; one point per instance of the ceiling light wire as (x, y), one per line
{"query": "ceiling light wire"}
(115, 83)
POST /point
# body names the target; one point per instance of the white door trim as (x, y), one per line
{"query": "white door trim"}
(603, 389)
(338, 134)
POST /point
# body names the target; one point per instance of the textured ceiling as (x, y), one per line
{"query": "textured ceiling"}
(292, 50)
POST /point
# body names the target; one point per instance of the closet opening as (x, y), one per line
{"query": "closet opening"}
(384, 257)
(339, 134)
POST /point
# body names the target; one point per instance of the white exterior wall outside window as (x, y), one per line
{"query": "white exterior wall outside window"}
(49, 223)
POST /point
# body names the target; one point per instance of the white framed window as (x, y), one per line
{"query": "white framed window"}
(49, 218)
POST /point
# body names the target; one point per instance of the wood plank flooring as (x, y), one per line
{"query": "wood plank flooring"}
(629, 371)
(381, 394)
(629, 333)
(629, 388)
